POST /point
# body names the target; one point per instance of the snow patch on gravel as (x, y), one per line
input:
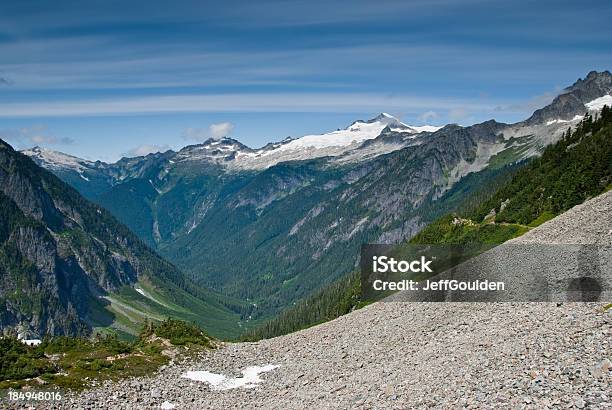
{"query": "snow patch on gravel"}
(250, 377)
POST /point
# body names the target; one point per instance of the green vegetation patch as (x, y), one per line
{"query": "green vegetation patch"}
(576, 168)
(177, 332)
(73, 363)
(508, 156)
(544, 216)
(337, 299)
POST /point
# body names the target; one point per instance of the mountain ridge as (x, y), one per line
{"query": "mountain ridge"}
(574, 170)
(572, 101)
(296, 225)
(91, 178)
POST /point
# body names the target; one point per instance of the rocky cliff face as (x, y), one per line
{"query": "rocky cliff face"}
(571, 102)
(59, 253)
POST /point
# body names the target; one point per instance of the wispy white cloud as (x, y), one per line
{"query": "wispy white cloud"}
(221, 129)
(531, 104)
(35, 135)
(308, 13)
(253, 102)
(94, 63)
(428, 116)
(268, 13)
(458, 113)
(146, 149)
(215, 131)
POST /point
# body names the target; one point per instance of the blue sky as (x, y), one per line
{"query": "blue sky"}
(102, 79)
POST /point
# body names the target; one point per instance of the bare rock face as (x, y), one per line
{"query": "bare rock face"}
(572, 101)
(59, 252)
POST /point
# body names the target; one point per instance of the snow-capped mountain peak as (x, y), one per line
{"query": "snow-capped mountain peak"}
(396, 125)
(332, 144)
(231, 153)
(354, 134)
(55, 159)
(386, 119)
(217, 150)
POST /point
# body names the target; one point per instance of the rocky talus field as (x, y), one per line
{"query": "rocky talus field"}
(413, 355)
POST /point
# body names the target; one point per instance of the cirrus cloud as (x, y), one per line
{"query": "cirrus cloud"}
(214, 131)
(34, 135)
(146, 149)
(428, 116)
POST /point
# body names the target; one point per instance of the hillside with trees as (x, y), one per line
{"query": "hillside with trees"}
(576, 168)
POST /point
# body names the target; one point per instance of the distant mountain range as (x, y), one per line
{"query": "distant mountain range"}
(269, 226)
(573, 170)
(232, 155)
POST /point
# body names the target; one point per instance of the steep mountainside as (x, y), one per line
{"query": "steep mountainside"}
(67, 266)
(416, 355)
(576, 168)
(273, 224)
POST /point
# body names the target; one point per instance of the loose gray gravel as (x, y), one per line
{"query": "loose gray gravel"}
(415, 355)
(569, 258)
(404, 355)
